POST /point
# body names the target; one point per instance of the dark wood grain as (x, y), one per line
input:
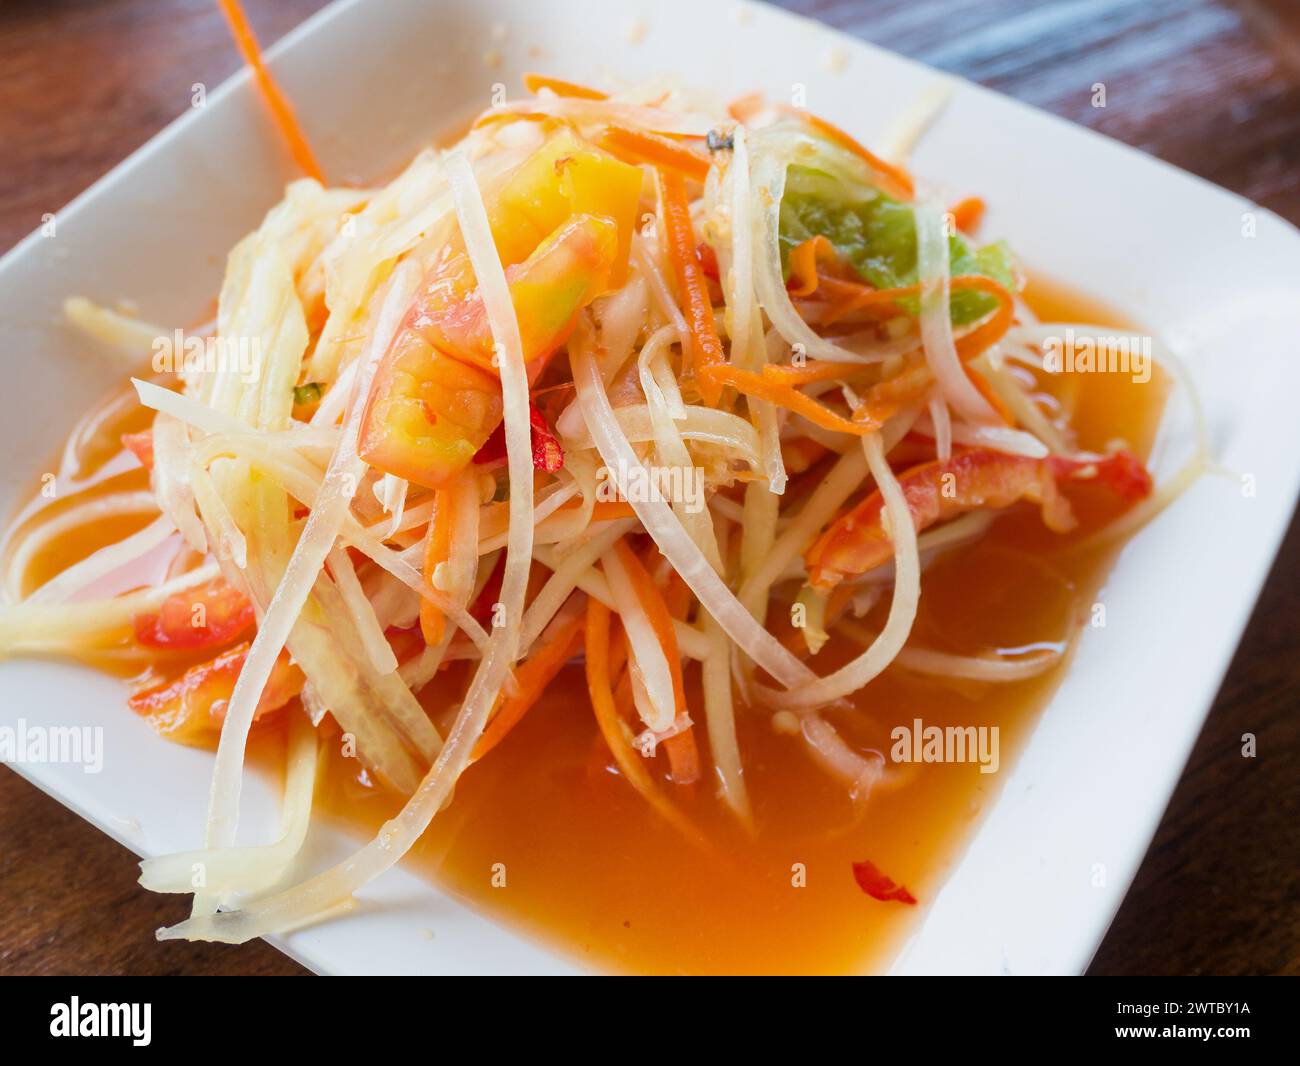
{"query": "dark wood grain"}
(1209, 85)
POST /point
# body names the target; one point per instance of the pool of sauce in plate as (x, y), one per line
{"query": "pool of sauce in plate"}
(546, 837)
(591, 870)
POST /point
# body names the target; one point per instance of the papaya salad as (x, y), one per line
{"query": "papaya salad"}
(681, 398)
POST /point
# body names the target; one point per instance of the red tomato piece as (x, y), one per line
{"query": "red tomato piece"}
(205, 616)
(190, 709)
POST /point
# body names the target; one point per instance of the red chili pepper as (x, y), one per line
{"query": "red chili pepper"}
(878, 885)
(487, 599)
(708, 260)
(548, 456)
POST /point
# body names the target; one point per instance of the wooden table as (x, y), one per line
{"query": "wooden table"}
(1209, 85)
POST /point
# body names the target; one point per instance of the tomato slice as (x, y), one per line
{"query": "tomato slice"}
(190, 709)
(428, 413)
(562, 222)
(566, 271)
(566, 176)
(205, 616)
(436, 398)
(972, 478)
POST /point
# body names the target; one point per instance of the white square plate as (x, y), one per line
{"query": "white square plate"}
(375, 80)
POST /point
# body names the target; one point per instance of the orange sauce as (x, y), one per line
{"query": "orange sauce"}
(547, 837)
(591, 870)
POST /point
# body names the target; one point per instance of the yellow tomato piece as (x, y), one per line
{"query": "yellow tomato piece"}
(190, 709)
(428, 413)
(566, 272)
(562, 222)
(565, 176)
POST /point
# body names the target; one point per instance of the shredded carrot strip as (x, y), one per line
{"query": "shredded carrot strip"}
(692, 290)
(683, 756)
(898, 181)
(905, 389)
(281, 109)
(683, 752)
(656, 609)
(633, 146)
(815, 370)
(608, 510)
(847, 297)
(532, 677)
(534, 83)
(767, 387)
(992, 398)
(909, 386)
(623, 698)
(494, 115)
(612, 726)
(618, 654)
(992, 328)
(966, 214)
(804, 276)
(678, 594)
(496, 516)
(437, 550)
